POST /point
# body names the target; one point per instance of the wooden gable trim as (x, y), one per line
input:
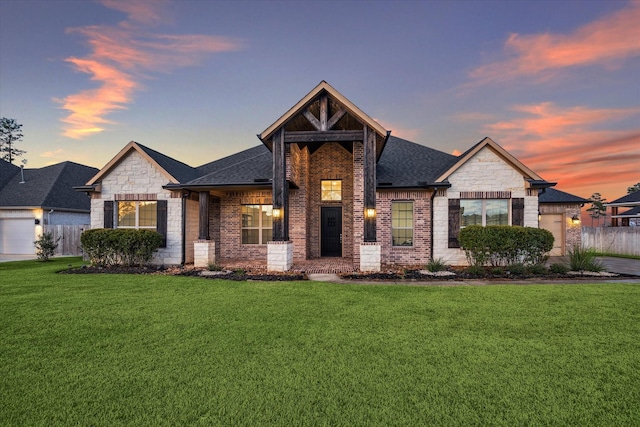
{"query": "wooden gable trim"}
(131, 146)
(497, 149)
(303, 103)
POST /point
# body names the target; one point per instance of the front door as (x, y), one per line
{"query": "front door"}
(331, 231)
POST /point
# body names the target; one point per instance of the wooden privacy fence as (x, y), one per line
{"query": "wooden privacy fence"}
(69, 243)
(615, 240)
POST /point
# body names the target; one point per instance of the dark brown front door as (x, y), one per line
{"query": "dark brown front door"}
(331, 231)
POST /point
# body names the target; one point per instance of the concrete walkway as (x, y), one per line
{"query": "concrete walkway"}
(621, 265)
(7, 258)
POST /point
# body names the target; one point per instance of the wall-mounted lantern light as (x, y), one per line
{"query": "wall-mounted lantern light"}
(370, 213)
(575, 219)
(37, 221)
(277, 213)
(539, 216)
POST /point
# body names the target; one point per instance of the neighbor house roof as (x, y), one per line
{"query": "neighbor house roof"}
(634, 212)
(631, 199)
(48, 187)
(175, 171)
(7, 171)
(551, 195)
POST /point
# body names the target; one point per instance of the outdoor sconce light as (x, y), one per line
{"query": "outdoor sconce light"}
(370, 213)
(277, 213)
(539, 216)
(575, 219)
(37, 221)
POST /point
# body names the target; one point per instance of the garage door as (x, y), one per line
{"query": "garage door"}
(555, 224)
(17, 236)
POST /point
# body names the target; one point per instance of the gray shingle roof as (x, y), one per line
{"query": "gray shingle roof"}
(551, 195)
(7, 171)
(181, 171)
(631, 197)
(631, 212)
(406, 164)
(403, 164)
(49, 187)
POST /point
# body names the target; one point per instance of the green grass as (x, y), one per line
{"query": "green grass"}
(159, 350)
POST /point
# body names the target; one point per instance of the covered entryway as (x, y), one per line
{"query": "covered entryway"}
(331, 231)
(17, 236)
(555, 224)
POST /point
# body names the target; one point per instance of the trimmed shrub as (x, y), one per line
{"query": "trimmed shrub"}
(46, 246)
(120, 246)
(558, 268)
(501, 245)
(517, 269)
(537, 269)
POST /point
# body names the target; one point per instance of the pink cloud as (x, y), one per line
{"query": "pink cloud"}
(122, 56)
(569, 145)
(614, 37)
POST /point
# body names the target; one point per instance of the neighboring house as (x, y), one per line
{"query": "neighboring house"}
(560, 214)
(630, 217)
(327, 181)
(33, 200)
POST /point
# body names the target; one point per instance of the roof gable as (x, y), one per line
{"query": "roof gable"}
(628, 200)
(551, 195)
(488, 143)
(324, 109)
(7, 171)
(174, 170)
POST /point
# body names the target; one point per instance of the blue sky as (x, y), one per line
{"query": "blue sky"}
(555, 83)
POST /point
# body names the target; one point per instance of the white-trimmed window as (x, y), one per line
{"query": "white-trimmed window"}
(402, 223)
(331, 190)
(137, 214)
(257, 221)
(484, 212)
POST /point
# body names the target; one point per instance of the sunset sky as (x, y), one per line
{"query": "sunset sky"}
(557, 83)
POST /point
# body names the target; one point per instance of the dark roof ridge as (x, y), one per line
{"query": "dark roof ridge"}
(240, 161)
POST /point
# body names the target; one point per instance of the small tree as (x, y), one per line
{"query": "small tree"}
(10, 133)
(633, 188)
(46, 246)
(597, 208)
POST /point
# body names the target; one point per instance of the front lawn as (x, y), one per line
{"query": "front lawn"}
(167, 350)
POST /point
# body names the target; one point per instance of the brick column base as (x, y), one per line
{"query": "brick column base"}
(370, 253)
(204, 253)
(279, 256)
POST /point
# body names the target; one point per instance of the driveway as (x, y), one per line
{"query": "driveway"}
(621, 265)
(5, 257)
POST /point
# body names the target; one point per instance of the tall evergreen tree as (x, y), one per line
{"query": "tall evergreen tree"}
(10, 134)
(597, 208)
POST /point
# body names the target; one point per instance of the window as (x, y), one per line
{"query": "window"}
(402, 223)
(137, 215)
(257, 223)
(331, 190)
(484, 212)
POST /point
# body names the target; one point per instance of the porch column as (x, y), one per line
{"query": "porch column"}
(370, 214)
(203, 224)
(280, 189)
(614, 212)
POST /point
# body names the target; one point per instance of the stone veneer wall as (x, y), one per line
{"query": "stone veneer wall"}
(572, 232)
(420, 252)
(193, 215)
(135, 175)
(331, 161)
(298, 162)
(485, 171)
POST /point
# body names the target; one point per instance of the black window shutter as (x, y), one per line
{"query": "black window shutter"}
(517, 211)
(454, 222)
(108, 213)
(161, 226)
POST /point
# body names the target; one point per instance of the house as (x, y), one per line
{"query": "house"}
(560, 214)
(325, 181)
(630, 217)
(34, 200)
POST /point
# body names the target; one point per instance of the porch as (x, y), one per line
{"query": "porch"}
(309, 266)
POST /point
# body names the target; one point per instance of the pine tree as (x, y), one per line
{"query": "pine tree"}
(10, 133)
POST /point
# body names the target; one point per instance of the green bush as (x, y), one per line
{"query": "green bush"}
(501, 245)
(558, 268)
(537, 269)
(517, 269)
(46, 246)
(120, 246)
(584, 259)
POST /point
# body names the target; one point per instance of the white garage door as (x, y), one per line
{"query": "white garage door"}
(555, 224)
(17, 236)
